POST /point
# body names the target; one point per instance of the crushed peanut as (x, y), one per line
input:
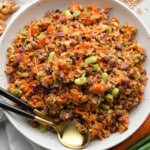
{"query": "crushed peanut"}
(2, 26)
(7, 8)
(132, 3)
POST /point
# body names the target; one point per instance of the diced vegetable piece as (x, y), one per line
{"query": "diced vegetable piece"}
(80, 81)
(51, 56)
(24, 31)
(64, 28)
(40, 73)
(82, 65)
(76, 14)
(95, 67)
(16, 91)
(42, 128)
(67, 44)
(136, 56)
(109, 97)
(105, 76)
(115, 92)
(91, 60)
(57, 41)
(67, 13)
(109, 30)
(105, 106)
(138, 75)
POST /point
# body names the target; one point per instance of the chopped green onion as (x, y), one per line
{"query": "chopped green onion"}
(24, 31)
(57, 41)
(88, 11)
(67, 13)
(80, 81)
(37, 24)
(136, 56)
(16, 91)
(138, 75)
(95, 67)
(76, 14)
(109, 30)
(82, 65)
(64, 28)
(42, 128)
(51, 56)
(105, 106)
(40, 36)
(24, 74)
(40, 73)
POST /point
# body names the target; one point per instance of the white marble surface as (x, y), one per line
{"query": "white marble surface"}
(10, 138)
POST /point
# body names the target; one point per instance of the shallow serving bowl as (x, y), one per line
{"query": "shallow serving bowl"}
(36, 10)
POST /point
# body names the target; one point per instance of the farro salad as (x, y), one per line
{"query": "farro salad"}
(79, 63)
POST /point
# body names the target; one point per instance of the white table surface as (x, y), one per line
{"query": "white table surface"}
(10, 138)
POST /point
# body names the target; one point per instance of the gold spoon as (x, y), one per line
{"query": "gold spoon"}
(67, 131)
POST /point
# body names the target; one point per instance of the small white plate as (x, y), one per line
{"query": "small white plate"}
(36, 10)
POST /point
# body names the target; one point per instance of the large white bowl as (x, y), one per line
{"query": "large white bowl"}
(36, 10)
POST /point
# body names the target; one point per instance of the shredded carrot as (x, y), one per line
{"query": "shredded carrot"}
(99, 88)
